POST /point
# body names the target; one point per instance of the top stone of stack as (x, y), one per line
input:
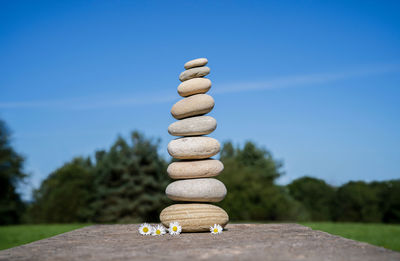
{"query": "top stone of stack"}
(194, 69)
(196, 63)
(193, 89)
(192, 78)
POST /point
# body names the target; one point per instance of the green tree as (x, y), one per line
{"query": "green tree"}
(315, 195)
(11, 174)
(249, 175)
(358, 202)
(64, 196)
(130, 180)
(389, 200)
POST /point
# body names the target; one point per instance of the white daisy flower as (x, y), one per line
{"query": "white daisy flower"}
(145, 229)
(174, 228)
(216, 229)
(158, 230)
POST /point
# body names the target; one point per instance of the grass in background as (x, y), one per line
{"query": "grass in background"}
(387, 236)
(11, 236)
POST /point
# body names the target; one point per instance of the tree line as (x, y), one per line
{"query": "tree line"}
(126, 184)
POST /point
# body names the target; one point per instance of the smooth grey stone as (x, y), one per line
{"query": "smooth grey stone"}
(197, 190)
(194, 86)
(193, 147)
(196, 72)
(195, 169)
(200, 125)
(198, 104)
(195, 63)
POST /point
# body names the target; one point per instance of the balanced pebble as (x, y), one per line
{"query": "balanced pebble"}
(194, 73)
(200, 125)
(196, 63)
(195, 169)
(198, 190)
(194, 217)
(191, 106)
(194, 86)
(193, 147)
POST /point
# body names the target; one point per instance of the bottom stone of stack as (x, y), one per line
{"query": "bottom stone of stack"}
(194, 217)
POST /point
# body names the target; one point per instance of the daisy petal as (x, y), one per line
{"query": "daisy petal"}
(174, 228)
(216, 229)
(145, 229)
(158, 230)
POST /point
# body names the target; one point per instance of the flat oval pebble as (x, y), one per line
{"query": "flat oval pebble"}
(200, 125)
(195, 169)
(194, 86)
(196, 63)
(197, 190)
(194, 217)
(196, 72)
(193, 147)
(192, 106)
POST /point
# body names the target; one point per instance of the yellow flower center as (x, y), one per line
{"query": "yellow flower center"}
(158, 232)
(175, 229)
(215, 230)
(145, 229)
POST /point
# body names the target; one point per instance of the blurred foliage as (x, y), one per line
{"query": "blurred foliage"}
(368, 202)
(130, 180)
(316, 196)
(357, 201)
(390, 200)
(249, 175)
(11, 173)
(127, 184)
(64, 195)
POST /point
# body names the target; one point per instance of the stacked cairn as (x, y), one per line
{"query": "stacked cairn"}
(195, 168)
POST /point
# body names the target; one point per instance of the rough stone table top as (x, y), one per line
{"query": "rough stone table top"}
(239, 242)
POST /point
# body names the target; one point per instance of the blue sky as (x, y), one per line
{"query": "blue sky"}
(315, 82)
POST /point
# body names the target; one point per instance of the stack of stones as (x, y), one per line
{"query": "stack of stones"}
(195, 168)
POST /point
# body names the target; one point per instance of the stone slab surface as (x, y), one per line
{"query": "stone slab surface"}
(239, 242)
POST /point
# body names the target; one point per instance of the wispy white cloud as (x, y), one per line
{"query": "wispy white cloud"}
(306, 79)
(93, 102)
(96, 102)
